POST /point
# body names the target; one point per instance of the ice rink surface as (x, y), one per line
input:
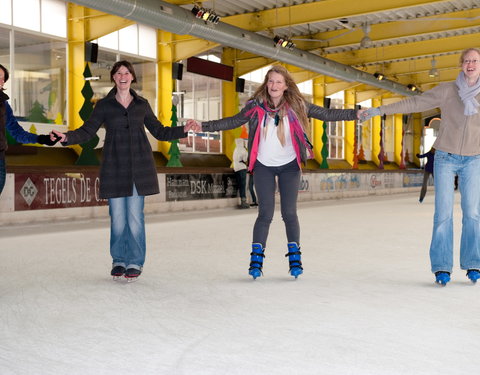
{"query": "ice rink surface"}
(366, 303)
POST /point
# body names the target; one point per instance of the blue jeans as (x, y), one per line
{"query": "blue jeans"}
(127, 231)
(242, 183)
(288, 183)
(3, 174)
(441, 249)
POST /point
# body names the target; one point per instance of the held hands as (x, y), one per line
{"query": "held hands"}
(193, 125)
(57, 136)
(368, 114)
(44, 139)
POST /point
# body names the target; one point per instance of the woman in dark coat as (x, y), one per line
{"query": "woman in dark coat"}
(128, 170)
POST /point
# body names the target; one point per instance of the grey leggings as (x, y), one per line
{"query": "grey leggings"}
(288, 184)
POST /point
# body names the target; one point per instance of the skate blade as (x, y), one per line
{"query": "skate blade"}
(117, 278)
(131, 279)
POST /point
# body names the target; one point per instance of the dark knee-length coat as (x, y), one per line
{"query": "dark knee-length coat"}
(127, 155)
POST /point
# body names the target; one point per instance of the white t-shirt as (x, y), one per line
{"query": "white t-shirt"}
(270, 151)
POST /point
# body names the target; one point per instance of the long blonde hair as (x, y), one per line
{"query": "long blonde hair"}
(291, 96)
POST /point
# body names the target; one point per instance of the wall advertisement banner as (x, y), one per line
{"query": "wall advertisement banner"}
(182, 187)
(35, 191)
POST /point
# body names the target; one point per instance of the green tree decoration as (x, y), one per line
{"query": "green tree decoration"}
(37, 113)
(87, 156)
(174, 151)
(324, 152)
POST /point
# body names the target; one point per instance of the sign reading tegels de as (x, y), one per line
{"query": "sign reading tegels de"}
(183, 187)
(35, 191)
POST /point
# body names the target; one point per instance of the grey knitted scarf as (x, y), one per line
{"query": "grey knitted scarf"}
(468, 94)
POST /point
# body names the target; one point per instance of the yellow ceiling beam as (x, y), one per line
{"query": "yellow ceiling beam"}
(98, 24)
(317, 11)
(393, 30)
(185, 46)
(445, 62)
(407, 50)
(245, 66)
(334, 87)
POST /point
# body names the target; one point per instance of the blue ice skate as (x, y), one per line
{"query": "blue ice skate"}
(294, 258)
(442, 277)
(256, 260)
(473, 275)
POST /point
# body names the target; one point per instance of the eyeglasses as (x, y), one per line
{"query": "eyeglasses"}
(470, 61)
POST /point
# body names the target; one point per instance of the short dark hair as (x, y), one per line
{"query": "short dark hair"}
(5, 72)
(126, 64)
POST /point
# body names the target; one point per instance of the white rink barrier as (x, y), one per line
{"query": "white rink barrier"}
(57, 196)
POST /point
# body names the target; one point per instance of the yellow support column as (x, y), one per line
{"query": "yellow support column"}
(398, 130)
(349, 127)
(317, 133)
(376, 127)
(76, 63)
(417, 138)
(165, 84)
(229, 103)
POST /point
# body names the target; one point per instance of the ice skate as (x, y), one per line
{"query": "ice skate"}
(117, 272)
(294, 258)
(256, 260)
(442, 277)
(132, 274)
(473, 275)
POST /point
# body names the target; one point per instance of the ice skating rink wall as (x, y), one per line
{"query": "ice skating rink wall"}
(50, 196)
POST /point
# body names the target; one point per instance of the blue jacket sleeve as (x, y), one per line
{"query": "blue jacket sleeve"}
(14, 128)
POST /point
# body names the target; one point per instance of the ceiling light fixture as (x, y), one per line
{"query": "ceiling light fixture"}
(379, 76)
(412, 87)
(207, 15)
(366, 41)
(433, 72)
(283, 42)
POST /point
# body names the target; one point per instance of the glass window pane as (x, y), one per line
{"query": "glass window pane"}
(27, 19)
(54, 17)
(128, 39)
(38, 85)
(6, 13)
(147, 41)
(109, 41)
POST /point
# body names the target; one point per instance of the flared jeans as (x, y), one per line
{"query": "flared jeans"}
(441, 249)
(127, 231)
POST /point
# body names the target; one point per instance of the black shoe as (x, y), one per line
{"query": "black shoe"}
(118, 271)
(254, 204)
(132, 273)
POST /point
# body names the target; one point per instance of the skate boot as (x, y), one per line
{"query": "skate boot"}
(294, 258)
(256, 260)
(473, 275)
(442, 277)
(131, 274)
(117, 272)
(244, 204)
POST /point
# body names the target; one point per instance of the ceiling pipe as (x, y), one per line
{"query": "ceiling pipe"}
(172, 18)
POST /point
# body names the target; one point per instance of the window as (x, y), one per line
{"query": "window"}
(200, 100)
(135, 39)
(335, 134)
(38, 79)
(45, 16)
(364, 135)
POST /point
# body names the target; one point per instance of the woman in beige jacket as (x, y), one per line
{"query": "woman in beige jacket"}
(457, 152)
